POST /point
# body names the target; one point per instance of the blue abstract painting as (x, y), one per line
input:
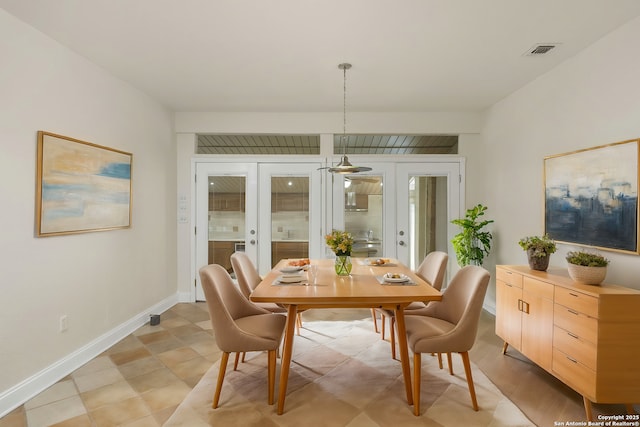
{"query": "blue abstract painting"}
(81, 186)
(591, 197)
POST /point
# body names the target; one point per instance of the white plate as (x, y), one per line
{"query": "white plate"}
(293, 269)
(373, 262)
(389, 278)
(290, 278)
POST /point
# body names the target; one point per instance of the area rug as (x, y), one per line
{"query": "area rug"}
(342, 374)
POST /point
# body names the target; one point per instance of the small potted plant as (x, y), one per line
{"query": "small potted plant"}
(539, 250)
(587, 267)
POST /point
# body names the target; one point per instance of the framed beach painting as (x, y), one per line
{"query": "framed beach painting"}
(81, 187)
(591, 197)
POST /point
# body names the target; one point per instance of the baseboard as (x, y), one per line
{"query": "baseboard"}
(27, 389)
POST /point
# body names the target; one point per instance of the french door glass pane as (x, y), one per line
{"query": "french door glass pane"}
(427, 217)
(226, 220)
(289, 217)
(363, 214)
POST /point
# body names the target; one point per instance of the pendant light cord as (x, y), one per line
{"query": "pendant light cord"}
(345, 66)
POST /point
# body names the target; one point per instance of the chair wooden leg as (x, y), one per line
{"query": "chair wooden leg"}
(244, 353)
(298, 324)
(382, 325)
(450, 363)
(392, 333)
(271, 371)
(235, 363)
(223, 368)
(417, 368)
(440, 360)
(467, 371)
(375, 320)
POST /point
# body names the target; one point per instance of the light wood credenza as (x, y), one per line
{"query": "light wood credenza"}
(587, 336)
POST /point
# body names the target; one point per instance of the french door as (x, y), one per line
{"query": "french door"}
(270, 211)
(399, 210)
(428, 197)
(226, 214)
(273, 210)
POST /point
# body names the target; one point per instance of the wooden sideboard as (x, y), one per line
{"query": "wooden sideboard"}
(587, 336)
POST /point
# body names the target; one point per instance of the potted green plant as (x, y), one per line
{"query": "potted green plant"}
(539, 250)
(587, 267)
(473, 243)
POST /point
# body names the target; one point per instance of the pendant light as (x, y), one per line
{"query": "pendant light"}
(344, 166)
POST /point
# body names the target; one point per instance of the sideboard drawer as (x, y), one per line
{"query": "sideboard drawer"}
(575, 347)
(577, 301)
(577, 323)
(509, 277)
(574, 373)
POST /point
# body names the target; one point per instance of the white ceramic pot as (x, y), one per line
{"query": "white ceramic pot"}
(587, 275)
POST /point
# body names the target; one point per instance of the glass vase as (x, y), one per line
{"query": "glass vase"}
(343, 265)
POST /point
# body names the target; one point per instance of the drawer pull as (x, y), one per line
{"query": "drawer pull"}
(511, 286)
(573, 295)
(525, 306)
(572, 335)
(571, 359)
(520, 304)
(572, 312)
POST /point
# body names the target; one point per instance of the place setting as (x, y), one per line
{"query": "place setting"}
(378, 262)
(297, 275)
(398, 279)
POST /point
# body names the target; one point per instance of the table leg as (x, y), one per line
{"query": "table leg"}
(404, 352)
(292, 314)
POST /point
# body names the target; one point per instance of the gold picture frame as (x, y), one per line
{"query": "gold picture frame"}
(81, 187)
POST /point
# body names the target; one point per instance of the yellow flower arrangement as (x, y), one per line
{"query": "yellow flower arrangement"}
(340, 242)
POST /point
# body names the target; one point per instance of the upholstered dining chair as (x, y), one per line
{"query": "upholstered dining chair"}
(248, 278)
(239, 325)
(449, 325)
(432, 270)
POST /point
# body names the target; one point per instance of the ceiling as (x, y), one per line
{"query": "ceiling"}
(283, 55)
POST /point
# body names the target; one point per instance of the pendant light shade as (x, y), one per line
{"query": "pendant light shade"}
(345, 166)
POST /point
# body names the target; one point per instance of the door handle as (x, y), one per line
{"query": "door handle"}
(401, 242)
(253, 242)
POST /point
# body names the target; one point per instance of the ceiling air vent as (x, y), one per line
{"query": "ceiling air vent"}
(540, 49)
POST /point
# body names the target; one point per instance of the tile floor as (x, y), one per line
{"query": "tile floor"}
(138, 382)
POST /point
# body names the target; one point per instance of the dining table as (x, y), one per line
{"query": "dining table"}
(367, 286)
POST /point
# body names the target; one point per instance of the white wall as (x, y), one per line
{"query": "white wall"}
(590, 100)
(99, 280)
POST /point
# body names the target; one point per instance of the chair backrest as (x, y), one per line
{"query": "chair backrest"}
(246, 273)
(461, 304)
(433, 268)
(225, 304)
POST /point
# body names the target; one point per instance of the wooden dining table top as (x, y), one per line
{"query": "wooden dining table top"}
(362, 288)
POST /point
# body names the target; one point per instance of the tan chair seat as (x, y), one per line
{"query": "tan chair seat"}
(428, 334)
(265, 326)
